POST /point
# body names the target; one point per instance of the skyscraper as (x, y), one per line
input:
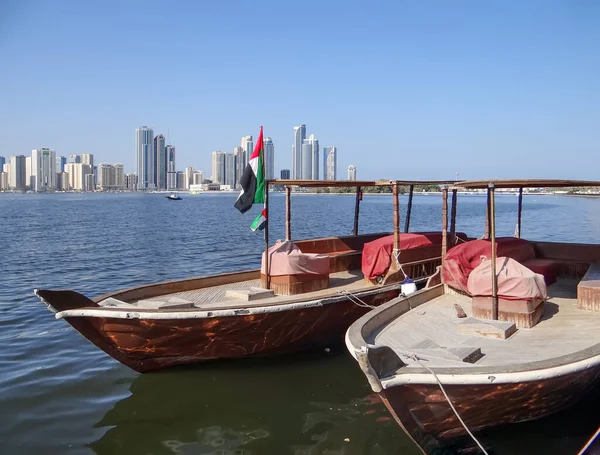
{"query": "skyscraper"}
(75, 159)
(285, 174)
(218, 167)
(314, 156)
(43, 169)
(240, 158)
(189, 177)
(29, 181)
(299, 137)
(352, 172)
(16, 176)
(2, 162)
(230, 170)
(307, 168)
(171, 173)
(269, 158)
(144, 158)
(111, 177)
(60, 164)
(160, 162)
(330, 163)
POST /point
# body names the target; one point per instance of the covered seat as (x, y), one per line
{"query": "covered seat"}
(294, 272)
(377, 255)
(521, 292)
(462, 259)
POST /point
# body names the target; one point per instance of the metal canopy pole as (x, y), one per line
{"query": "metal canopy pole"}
(491, 197)
(356, 210)
(409, 208)
(519, 210)
(264, 169)
(288, 213)
(444, 223)
(453, 217)
(396, 225)
(486, 235)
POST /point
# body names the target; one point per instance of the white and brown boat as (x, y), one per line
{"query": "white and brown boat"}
(507, 331)
(307, 295)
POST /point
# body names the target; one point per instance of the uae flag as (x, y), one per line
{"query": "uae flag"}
(253, 184)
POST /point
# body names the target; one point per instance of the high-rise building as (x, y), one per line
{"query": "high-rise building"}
(90, 184)
(180, 180)
(144, 158)
(3, 180)
(16, 175)
(2, 162)
(43, 169)
(171, 173)
(248, 145)
(87, 158)
(131, 181)
(241, 159)
(29, 181)
(330, 163)
(62, 181)
(307, 168)
(111, 177)
(269, 158)
(75, 159)
(60, 164)
(218, 167)
(285, 174)
(352, 172)
(160, 162)
(189, 177)
(198, 178)
(299, 137)
(77, 176)
(315, 156)
(230, 170)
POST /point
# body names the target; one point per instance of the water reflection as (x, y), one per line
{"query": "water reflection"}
(317, 403)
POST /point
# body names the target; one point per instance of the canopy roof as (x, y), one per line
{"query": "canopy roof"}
(357, 183)
(525, 183)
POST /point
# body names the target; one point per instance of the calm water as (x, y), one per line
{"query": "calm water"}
(59, 394)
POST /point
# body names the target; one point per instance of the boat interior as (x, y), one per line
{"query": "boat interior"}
(306, 270)
(435, 334)
(342, 272)
(493, 302)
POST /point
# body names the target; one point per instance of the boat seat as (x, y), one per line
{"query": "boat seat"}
(548, 268)
(294, 272)
(588, 289)
(340, 261)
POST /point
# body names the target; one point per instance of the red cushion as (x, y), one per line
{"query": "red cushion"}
(546, 267)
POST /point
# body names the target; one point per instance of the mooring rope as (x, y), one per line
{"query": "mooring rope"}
(355, 299)
(589, 443)
(417, 360)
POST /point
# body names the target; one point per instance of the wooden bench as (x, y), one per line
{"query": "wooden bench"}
(588, 289)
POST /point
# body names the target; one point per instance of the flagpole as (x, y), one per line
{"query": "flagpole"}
(268, 286)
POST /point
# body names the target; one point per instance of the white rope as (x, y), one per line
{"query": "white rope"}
(355, 299)
(416, 359)
(589, 443)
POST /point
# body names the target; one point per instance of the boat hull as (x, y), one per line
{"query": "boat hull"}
(151, 344)
(424, 414)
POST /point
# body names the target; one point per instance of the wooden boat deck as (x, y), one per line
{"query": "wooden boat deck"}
(432, 327)
(214, 297)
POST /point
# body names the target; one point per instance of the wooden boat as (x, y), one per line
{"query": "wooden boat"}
(249, 313)
(440, 355)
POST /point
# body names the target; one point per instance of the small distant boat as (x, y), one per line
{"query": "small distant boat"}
(173, 197)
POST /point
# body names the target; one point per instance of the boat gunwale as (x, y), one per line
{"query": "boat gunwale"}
(199, 313)
(356, 342)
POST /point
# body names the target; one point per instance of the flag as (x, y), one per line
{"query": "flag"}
(253, 179)
(260, 221)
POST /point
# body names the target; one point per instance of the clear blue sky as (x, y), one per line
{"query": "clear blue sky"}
(404, 89)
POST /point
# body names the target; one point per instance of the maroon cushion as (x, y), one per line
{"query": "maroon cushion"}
(546, 267)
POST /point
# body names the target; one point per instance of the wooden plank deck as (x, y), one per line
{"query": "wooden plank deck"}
(564, 329)
(213, 298)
